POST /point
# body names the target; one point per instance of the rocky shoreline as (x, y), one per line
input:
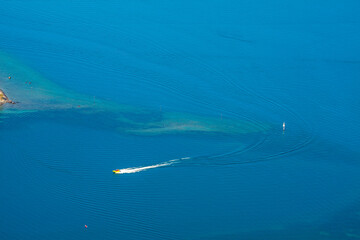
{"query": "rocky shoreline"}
(4, 99)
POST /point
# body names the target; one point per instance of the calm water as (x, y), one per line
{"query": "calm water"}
(262, 62)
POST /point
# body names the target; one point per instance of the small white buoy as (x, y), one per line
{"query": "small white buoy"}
(283, 126)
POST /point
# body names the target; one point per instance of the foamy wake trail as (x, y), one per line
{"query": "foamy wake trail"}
(139, 169)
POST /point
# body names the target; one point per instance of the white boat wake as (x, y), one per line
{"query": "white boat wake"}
(140, 169)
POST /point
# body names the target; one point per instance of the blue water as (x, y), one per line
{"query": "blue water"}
(263, 61)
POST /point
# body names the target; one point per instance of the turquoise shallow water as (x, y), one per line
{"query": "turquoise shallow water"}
(254, 63)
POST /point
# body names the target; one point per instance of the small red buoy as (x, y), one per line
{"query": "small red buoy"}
(86, 226)
(9, 77)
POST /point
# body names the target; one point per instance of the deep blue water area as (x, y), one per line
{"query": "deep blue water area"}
(265, 62)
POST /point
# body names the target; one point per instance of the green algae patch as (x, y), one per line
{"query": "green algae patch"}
(34, 94)
(175, 122)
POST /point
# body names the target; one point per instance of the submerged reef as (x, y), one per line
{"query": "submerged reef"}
(40, 96)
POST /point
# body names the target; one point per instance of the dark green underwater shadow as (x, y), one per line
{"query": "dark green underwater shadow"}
(342, 225)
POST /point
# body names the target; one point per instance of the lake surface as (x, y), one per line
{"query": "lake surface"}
(252, 62)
